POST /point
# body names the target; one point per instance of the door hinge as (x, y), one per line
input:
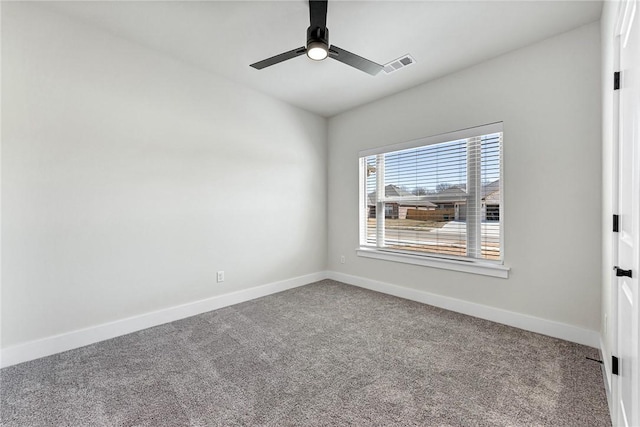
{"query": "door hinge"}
(614, 365)
(616, 80)
(622, 273)
(616, 223)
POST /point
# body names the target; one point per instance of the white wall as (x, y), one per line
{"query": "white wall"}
(129, 178)
(548, 96)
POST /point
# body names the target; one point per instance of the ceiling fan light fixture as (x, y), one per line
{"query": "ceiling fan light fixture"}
(317, 50)
(317, 47)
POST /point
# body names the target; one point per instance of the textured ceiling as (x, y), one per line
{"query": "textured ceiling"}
(224, 37)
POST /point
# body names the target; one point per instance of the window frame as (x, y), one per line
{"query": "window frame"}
(481, 266)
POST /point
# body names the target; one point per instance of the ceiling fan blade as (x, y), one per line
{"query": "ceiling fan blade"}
(318, 13)
(354, 60)
(279, 58)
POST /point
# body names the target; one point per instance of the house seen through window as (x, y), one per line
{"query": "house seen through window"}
(440, 196)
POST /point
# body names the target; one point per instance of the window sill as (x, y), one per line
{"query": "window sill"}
(473, 267)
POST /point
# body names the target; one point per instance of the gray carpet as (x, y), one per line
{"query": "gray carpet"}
(326, 354)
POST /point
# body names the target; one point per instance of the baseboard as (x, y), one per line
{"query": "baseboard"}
(80, 338)
(522, 321)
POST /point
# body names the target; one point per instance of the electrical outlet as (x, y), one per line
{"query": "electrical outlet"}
(342, 259)
(220, 276)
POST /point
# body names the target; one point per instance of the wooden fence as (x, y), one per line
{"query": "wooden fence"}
(431, 215)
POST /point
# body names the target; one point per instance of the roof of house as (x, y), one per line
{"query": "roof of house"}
(395, 194)
(491, 192)
(490, 189)
(455, 193)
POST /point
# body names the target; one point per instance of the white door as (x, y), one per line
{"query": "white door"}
(627, 398)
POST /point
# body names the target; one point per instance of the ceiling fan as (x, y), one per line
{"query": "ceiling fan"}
(318, 47)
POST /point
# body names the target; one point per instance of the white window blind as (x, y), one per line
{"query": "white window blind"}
(439, 196)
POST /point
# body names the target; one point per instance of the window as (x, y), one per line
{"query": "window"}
(438, 197)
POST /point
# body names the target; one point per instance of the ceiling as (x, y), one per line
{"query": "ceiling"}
(224, 37)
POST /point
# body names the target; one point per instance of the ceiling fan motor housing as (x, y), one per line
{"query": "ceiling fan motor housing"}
(318, 35)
